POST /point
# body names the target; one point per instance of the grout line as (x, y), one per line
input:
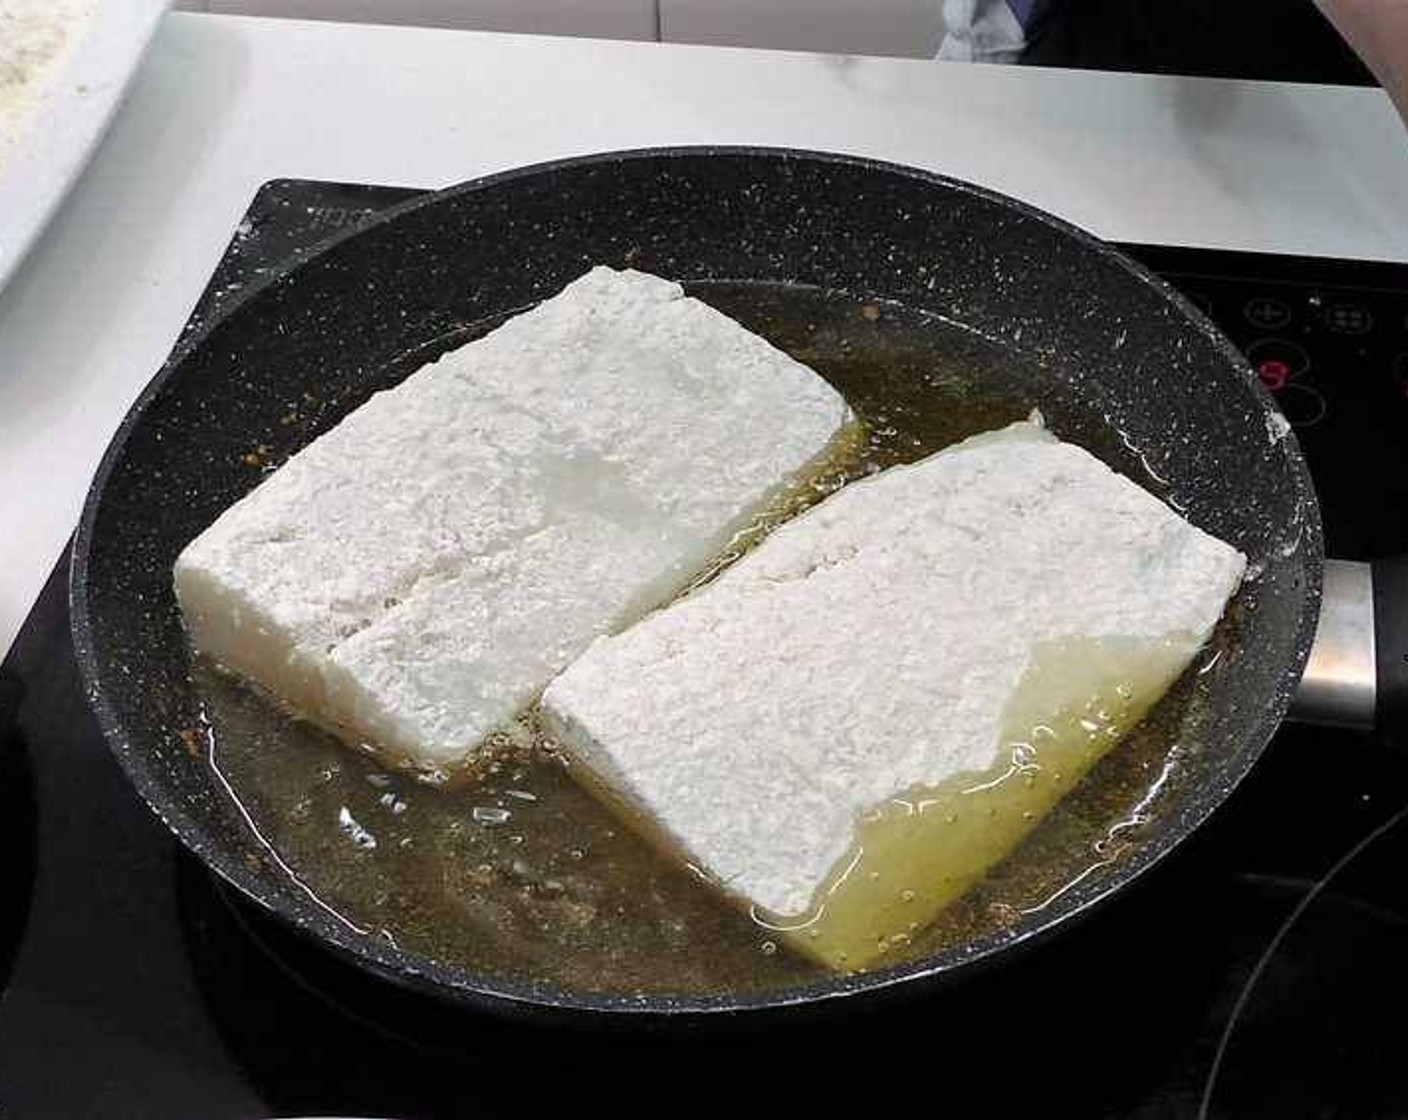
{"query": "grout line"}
(659, 22)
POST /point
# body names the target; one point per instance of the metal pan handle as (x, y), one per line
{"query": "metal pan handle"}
(1391, 644)
(1357, 674)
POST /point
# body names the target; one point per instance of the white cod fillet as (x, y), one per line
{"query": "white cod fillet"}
(416, 575)
(870, 650)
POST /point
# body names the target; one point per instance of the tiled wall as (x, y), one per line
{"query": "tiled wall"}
(887, 27)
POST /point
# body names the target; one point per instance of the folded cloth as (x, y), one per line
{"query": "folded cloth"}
(988, 30)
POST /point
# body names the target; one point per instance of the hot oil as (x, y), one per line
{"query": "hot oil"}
(923, 849)
(519, 874)
(522, 875)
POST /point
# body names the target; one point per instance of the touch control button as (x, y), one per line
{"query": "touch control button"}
(1302, 405)
(1349, 318)
(1277, 361)
(1267, 312)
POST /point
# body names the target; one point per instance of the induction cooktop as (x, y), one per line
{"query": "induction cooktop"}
(1257, 972)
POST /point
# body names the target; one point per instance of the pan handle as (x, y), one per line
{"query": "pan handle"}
(1391, 644)
(1340, 686)
(1357, 674)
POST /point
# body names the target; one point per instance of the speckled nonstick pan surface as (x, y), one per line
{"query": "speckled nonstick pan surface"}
(369, 307)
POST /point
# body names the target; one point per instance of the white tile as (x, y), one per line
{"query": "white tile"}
(878, 27)
(610, 19)
(192, 5)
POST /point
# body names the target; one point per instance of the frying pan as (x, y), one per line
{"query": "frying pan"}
(369, 307)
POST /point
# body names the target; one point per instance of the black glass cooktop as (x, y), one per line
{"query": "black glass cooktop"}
(1258, 972)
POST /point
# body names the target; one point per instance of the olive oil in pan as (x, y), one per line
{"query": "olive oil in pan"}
(520, 874)
(921, 850)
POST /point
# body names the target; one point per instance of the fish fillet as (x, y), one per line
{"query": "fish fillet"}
(415, 576)
(816, 729)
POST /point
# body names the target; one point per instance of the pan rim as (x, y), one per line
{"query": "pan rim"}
(466, 988)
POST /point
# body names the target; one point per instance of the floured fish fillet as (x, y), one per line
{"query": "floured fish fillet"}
(416, 575)
(849, 726)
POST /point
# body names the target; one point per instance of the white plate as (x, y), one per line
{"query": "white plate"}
(79, 99)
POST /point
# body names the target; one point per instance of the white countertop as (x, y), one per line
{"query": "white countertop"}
(224, 104)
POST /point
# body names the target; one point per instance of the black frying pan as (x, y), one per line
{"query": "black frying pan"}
(371, 306)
